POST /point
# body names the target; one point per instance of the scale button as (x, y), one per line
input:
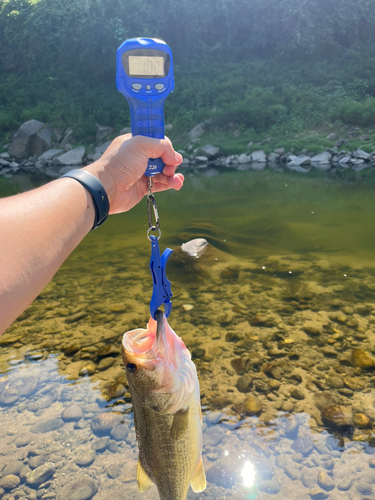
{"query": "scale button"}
(159, 86)
(148, 87)
(137, 86)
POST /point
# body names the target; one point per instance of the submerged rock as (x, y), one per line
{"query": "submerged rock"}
(9, 482)
(252, 406)
(362, 359)
(337, 417)
(40, 474)
(79, 489)
(105, 422)
(195, 248)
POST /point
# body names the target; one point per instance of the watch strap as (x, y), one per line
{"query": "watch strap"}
(97, 191)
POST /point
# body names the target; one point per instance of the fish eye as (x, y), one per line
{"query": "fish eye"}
(131, 367)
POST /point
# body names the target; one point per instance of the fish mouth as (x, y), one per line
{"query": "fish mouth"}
(143, 344)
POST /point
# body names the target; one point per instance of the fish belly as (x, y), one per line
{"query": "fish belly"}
(170, 463)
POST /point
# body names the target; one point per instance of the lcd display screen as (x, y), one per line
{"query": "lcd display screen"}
(146, 66)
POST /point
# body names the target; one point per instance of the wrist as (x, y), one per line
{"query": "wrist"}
(104, 177)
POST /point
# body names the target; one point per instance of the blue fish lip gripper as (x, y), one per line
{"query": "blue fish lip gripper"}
(161, 290)
(145, 77)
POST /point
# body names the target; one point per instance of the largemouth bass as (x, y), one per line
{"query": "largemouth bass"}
(167, 414)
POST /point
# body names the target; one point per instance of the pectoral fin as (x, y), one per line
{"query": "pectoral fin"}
(180, 423)
(198, 482)
(144, 482)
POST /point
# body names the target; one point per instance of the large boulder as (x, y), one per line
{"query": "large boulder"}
(244, 159)
(103, 132)
(361, 155)
(294, 161)
(32, 138)
(196, 131)
(258, 156)
(72, 157)
(322, 158)
(49, 155)
(68, 139)
(210, 151)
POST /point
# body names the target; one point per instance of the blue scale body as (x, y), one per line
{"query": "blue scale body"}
(137, 60)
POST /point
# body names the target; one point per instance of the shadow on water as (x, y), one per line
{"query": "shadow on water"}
(279, 315)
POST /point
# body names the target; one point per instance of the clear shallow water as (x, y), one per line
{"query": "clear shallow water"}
(284, 294)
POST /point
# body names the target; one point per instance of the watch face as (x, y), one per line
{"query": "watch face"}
(146, 63)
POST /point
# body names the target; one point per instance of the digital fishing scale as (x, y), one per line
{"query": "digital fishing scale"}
(145, 77)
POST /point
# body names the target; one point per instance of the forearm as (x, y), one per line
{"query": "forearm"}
(38, 230)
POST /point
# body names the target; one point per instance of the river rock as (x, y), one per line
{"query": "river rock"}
(115, 391)
(22, 441)
(88, 368)
(271, 487)
(322, 158)
(345, 484)
(273, 157)
(361, 155)
(85, 458)
(37, 461)
(258, 157)
(210, 151)
(252, 406)
(337, 417)
(109, 349)
(362, 359)
(9, 482)
(79, 489)
(103, 147)
(72, 413)
(244, 383)
(49, 155)
(362, 421)
(294, 161)
(72, 157)
(105, 363)
(318, 494)
(9, 396)
(195, 248)
(102, 132)
(244, 159)
(28, 386)
(100, 444)
(13, 468)
(197, 131)
(325, 481)
(32, 138)
(297, 394)
(47, 426)
(303, 445)
(291, 427)
(40, 474)
(120, 432)
(213, 436)
(105, 422)
(323, 399)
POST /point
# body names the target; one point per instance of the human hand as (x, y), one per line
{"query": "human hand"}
(121, 170)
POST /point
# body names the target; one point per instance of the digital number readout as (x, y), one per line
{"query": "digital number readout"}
(143, 66)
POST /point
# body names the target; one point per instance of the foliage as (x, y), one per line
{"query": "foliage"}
(280, 66)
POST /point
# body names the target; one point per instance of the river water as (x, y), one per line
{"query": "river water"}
(279, 315)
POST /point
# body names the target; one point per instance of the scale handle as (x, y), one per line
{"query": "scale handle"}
(147, 118)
